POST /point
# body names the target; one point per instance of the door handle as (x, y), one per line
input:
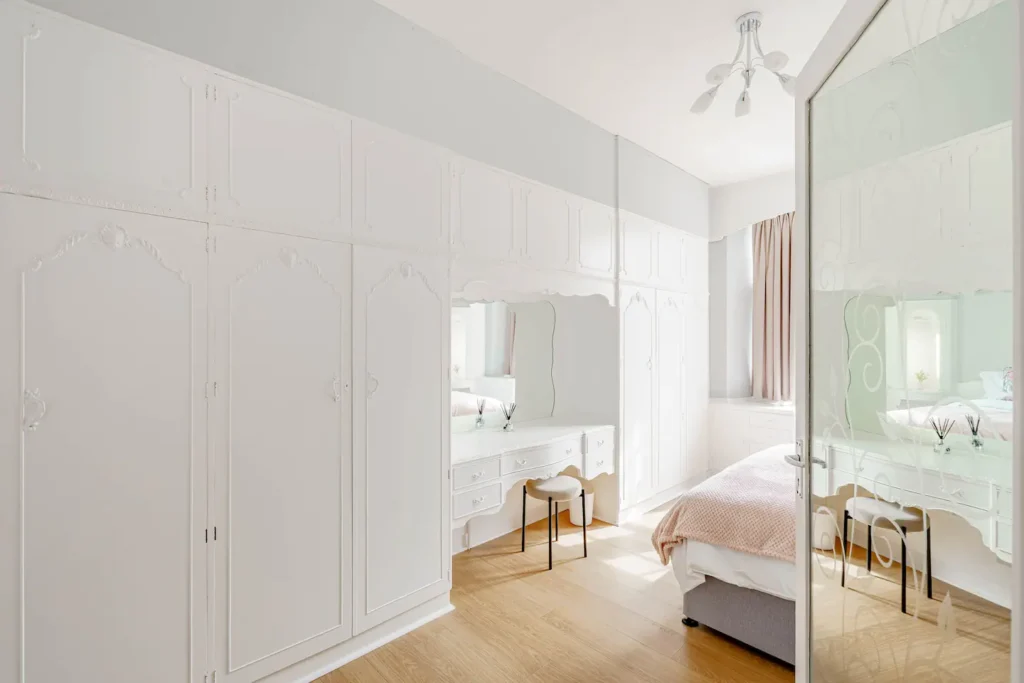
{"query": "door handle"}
(796, 461)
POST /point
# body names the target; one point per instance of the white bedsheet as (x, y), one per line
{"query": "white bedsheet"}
(693, 560)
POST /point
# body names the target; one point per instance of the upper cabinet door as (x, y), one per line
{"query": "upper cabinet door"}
(282, 449)
(596, 238)
(548, 231)
(671, 257)
(638, 308)
(103, 329)
(89, 116)
(401, 330)
(639, 242)
(400, 188)
(280, 163)
(671, 390)
(484, 212)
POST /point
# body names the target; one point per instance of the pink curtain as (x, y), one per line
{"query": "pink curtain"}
(772, 370)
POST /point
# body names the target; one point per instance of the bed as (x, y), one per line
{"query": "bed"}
(732, 542)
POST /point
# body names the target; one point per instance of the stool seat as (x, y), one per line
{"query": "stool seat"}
(876, 512)
(558, 489)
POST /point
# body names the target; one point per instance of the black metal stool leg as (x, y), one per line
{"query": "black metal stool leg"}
(524, 519)
(928, 556)
(583, 498)
(556, 521)
(550, 561)
(869, 548)
(903, 586)
(846, 525)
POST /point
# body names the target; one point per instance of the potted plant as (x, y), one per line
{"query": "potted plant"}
(921, 376)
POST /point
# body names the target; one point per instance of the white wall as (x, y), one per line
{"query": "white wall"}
(358, 56)
(740, 205)
(652, 187)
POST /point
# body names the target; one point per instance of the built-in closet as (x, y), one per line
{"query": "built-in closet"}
(225, 365)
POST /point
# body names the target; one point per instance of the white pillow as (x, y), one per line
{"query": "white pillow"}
(992, 383)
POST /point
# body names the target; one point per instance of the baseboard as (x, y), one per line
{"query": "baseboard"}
(325, 662)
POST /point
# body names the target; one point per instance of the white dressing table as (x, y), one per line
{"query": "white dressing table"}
(488, 463)
(975, 487)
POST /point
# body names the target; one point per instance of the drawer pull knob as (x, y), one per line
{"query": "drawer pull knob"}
(955, 493)
(520, 462)
(600, 463)
(477, 501)
(600, 442)
(568, 451)
(477, 475)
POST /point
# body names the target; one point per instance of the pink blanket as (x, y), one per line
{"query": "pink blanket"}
(749, 507)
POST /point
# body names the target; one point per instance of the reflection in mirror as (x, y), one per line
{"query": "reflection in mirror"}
(502, 354)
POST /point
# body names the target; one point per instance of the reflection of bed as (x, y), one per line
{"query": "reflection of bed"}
(732, 542)
(465, 403)
(996, 417)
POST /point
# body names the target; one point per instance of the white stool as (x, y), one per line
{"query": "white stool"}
(555, 490)
(872, 511)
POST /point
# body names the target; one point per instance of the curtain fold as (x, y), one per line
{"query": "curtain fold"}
(772, 367)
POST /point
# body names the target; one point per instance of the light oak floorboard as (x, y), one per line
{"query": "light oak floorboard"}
(615, 617)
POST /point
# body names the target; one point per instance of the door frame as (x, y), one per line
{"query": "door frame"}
(850, 23)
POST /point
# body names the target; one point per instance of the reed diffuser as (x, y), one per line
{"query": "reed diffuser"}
(942, 430)
(507, 409)
(974, 422)
(480, 403)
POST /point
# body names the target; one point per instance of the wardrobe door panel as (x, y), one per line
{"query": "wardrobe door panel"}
(671, 390)
(638, 249)
(401, 189)
(281, 163)
(671, 257)
(283, 447)
(401, 386)
(103, 346)
(485, 212)
(638, 357)
(596, 237)
(548, 228)
(89, 116)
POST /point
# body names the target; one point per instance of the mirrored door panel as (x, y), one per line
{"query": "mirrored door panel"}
(911, 368)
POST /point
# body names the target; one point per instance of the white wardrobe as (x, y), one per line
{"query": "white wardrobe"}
(224, 362)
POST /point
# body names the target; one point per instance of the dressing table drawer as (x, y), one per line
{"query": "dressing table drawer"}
(476, 472)
(600, 440)
(539, 457)
(599, 462)
(475, 500)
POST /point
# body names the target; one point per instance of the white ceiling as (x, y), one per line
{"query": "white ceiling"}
(634, 67)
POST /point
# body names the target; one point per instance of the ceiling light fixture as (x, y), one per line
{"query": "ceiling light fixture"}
(749, 57)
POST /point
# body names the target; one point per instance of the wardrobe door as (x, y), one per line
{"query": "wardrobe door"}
(102, 445)
(548, 231)
(671, 390)
(282, 448)
(401, 403)
(280, 163)
(90, 116)
(638, 356)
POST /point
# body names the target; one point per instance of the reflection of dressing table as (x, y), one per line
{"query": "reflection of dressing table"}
(971, 486)
(487, 464)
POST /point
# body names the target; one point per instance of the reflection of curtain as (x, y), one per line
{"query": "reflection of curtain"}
(509, 366)
(772, 366)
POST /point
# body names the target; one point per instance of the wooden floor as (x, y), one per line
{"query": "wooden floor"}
(615, 617)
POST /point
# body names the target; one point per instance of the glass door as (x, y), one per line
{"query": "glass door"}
(908, 477)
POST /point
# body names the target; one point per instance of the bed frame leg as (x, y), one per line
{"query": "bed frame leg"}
(690, 623)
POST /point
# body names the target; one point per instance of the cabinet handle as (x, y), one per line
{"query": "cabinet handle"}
(30, 422)
(600, 463)
(371, 385)
(520, 462)
(477, 475)
(336, 388)
(477, 501)
(650, 364)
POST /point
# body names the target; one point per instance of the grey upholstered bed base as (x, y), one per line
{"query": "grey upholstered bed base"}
(762, 621)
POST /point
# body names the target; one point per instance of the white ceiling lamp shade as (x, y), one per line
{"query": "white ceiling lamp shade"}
(748, 59)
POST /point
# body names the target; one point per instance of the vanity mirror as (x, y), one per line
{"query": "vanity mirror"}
(502, 356)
